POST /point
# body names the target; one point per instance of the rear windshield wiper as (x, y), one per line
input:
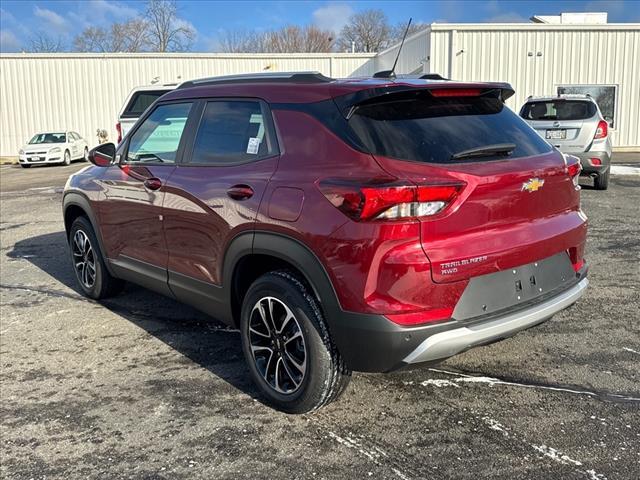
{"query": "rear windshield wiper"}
(485, 151)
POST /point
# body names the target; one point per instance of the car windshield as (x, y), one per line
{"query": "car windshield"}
(48, 138)
(558, 110)
(417, 126)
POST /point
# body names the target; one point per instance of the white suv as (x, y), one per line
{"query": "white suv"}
(139, 99)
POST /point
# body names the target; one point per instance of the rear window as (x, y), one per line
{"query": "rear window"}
(416, 126)
(558, 110)
(140, 101)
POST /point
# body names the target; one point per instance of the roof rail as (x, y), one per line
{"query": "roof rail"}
(274, 77)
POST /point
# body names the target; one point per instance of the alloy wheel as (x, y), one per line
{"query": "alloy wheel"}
(84, 259)
(277, 345)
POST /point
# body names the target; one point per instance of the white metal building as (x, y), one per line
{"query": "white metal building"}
(84, 92)
(538, 59)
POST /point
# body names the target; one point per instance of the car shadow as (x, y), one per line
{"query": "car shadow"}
(201, 338)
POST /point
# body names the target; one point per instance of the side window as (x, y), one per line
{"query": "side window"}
(232, 132)
(158, 138)
(76, 136)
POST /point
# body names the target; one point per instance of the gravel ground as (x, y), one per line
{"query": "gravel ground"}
(143, 387)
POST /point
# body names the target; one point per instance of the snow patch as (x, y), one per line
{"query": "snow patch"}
(624, 170)
(495, 425)
(374, 453)
(491, 381)
(556, 455)
(438, 382)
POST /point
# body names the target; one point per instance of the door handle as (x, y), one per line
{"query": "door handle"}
(153, 183)
(240, 192)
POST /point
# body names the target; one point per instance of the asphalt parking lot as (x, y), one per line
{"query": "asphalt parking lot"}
(143, 387)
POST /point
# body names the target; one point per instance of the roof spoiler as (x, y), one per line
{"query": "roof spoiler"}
(347, 103)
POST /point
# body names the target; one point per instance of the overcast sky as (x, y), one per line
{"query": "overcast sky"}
(21, 19)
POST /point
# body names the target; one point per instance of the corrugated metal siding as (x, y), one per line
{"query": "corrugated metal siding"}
(582, 55)
(413, 58)
(85, 92)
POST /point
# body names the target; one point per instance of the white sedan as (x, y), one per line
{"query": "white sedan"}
(54, 147)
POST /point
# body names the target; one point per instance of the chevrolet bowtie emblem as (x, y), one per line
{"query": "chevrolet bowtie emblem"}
(533, 185)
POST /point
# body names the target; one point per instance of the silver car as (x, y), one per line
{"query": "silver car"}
(574, 125)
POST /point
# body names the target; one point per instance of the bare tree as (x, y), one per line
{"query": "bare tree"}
(240, 41)
(398, 30)
(130, 36)
(167, 32)
(288, 39)
(42, 43)
(92, 39)
(367, 31)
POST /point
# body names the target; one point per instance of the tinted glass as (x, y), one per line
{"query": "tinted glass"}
(140, 101)
(558, 110)
(158, 138)
(48, 138)
(231, 132)
(416, 126)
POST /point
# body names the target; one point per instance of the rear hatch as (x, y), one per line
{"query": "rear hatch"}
(567, 124)
(517, 203)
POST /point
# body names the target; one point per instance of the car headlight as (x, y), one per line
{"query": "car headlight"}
(21, 152)
(55, 150)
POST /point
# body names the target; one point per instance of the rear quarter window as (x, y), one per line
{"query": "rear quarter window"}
(140, 101)
(416, 126)
(558, 110)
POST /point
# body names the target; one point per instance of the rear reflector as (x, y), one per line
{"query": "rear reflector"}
(595, 161)
(573, 169)
(456, 92)
(388, 201)
(578, 265)
(602, 131)
(419, 318)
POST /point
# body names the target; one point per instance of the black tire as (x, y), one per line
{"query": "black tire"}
(24, 165)
(67, 157)
(601, 182)
(103, 285)
(85, 155)
(325, 376)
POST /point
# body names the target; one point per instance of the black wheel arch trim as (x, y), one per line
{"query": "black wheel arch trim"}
(81, 201)
(367, 342)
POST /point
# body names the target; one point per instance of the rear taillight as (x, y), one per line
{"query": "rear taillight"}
(577, 266)
(119, 130)
(388, 201)
(602, 131)
(573, 169)
(456, 92)
(595, 162)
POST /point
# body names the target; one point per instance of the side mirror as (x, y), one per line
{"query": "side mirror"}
(103, 155)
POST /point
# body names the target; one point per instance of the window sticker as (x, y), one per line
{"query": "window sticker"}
(253, 146)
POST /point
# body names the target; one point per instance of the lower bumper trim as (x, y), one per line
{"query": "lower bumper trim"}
(448, 343)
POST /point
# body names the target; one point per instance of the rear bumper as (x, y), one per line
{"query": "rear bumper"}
(373, 343)
(587, 164)
(446, 344)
